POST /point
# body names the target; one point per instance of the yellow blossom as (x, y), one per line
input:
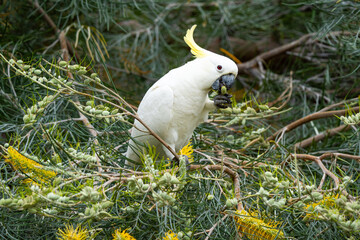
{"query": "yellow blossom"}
(72, 234)
(255, 228)
(170, 235)
(122, 235)
(28, 166)
(187, 151)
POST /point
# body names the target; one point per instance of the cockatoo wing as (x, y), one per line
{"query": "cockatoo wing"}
(156, 109)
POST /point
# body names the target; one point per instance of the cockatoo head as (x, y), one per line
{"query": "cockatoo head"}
(220, 70)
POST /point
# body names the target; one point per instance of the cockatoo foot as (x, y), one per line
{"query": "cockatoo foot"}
(222, 101)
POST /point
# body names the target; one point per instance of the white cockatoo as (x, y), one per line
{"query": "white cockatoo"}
(178, 102)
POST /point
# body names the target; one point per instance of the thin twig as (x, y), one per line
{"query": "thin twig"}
(233, 174)
(311, 117)
(328, 133)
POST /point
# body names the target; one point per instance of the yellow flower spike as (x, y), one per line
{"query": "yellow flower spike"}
(28, 166)
(122, 235)
(187, 151)
(170, 235)
(257, 229)
(69, 233)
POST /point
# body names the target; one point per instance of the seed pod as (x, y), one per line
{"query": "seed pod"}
(223, 90)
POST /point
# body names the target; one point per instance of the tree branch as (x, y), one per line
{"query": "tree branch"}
(311, 117)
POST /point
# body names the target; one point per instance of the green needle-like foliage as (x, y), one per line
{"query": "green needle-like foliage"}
(282, 162)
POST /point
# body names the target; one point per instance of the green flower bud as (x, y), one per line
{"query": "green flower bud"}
(229, 203)
(105, 113)
(52, 196)
(106, 204)
(145, 187)
(226, 110)
(236, 110)
(174, 180)
(26, 119)
(263, 107)
(115, 111)
(87, 108)
(210, 197)
(93, 75)
(26, 67)
(63, 63)
(317, 195)
(268, 174)
(250, 110)
(19, 61)
(37, 71)
(81, 72)
(140, 182)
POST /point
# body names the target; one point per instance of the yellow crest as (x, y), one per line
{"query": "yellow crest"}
(196, 50)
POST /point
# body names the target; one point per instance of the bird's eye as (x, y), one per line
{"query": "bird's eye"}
(219, 67)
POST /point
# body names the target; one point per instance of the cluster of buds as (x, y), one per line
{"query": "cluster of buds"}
(81, 156)
(275, 203)
(97, 211)
(269, 181)
(37, 108)
(273, 183)
(353, 119)
(231, 202)
(138, 187)
(88, 194)
(101, 111)
(163, 198)
(312, 195)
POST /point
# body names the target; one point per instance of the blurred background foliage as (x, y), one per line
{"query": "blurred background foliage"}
(131, 44)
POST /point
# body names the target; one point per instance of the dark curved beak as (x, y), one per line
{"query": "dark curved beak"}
(225, 80)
